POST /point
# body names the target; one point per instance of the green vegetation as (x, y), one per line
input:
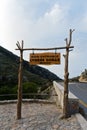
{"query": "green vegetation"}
(34, 77)
(74, 79)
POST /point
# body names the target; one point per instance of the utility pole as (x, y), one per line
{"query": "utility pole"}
(66, 56)
(20, 77)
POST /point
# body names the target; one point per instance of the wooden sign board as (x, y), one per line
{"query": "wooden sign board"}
(45, 58)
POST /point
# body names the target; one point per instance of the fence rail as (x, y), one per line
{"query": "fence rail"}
(26, 96)
(36, 94)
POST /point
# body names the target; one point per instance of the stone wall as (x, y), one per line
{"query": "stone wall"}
(73, 100)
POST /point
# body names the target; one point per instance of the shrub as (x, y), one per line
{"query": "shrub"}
(30, 87)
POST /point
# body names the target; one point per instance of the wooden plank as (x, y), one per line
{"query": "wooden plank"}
(45, 58)
(45, 49)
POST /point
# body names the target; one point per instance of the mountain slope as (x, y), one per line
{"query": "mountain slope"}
(83, 76)
(35, 75)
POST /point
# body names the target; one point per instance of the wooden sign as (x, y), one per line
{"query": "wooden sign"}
(45, 58)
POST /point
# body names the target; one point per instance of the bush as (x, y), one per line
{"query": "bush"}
(30, 87)
(5, 90)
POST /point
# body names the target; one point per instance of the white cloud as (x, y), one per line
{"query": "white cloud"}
(48, 25)
(21, 19)
(55, 14)
(84, 23)
(16, 25)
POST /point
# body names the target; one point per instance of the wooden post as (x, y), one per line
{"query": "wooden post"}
(19, 102)
(66, 56)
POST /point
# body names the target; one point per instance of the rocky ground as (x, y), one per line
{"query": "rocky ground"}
(35, 116)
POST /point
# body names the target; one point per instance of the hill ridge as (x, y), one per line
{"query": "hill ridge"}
(34, 77)
(7, 58)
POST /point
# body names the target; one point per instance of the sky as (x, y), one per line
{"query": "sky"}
(45, 24)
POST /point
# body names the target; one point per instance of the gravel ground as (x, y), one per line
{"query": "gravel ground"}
(36, 116)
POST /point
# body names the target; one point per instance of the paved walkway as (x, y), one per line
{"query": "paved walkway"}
(35, 116)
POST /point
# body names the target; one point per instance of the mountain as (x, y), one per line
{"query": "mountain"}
(74, 79)
(83, 76)
(32, 74)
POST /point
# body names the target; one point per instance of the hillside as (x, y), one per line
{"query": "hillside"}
(83, 76)
(32, 75)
